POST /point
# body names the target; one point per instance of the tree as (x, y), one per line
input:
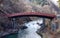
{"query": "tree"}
(58, 2)
(40, 2)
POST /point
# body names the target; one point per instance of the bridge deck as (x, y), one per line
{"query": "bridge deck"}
(46, 15)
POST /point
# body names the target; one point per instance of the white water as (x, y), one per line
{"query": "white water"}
(30, 32)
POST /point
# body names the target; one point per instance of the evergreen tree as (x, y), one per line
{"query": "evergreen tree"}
(40, 2)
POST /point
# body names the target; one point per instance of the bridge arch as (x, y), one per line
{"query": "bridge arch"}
(43, 15)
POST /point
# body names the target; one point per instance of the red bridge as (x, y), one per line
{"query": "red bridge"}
(45, 15)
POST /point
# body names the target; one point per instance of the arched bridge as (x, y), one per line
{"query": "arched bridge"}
(45, 15)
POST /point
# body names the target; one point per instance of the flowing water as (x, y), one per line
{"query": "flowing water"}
(30, 32)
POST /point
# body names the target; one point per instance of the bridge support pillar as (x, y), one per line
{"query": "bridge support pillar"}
(14, 23)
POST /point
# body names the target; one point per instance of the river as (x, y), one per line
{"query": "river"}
(30, 32)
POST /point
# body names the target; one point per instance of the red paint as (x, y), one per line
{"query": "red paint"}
(32, 13)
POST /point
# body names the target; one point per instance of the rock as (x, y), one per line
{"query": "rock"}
(39, 33)
(24, 27)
